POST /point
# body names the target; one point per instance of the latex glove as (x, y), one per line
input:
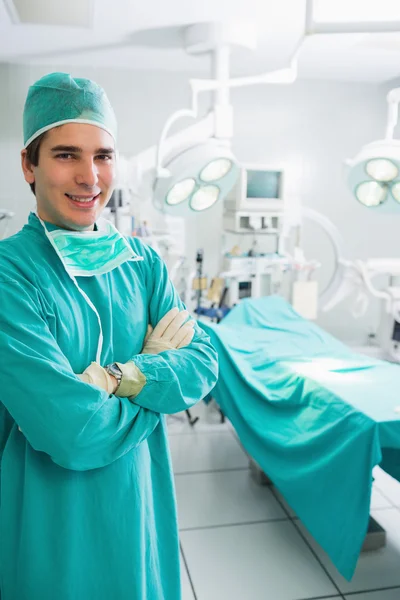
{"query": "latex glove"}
(171, 333)
(96, 375)
(132, 381)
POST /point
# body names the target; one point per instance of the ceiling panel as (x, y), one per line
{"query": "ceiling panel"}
(73, 13)
(131, 35)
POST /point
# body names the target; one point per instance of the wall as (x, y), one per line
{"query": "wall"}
(309, 126)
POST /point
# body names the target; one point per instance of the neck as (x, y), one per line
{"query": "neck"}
(62, 225)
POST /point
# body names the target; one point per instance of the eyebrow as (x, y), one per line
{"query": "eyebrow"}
(78, 150)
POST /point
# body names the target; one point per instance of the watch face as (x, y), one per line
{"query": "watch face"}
(114, 369)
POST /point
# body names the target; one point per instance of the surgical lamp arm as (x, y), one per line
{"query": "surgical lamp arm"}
(180, 114)
(219, 84)
(367, 279)
(393, 99)
(280, 76)
(392, 306)
(222, 119)
(197, 132)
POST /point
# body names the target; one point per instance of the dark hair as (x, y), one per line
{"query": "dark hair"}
(32, 154)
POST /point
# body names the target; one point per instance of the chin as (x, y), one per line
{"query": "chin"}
(86, 219)
(80, 224)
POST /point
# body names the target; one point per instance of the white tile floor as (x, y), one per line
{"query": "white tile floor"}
(241, 541)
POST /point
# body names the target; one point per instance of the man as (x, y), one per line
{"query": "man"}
(87, 501)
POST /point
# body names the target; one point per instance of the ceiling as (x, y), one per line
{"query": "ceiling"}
(126, 34)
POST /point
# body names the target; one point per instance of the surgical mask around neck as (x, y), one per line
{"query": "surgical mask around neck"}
(89, 253)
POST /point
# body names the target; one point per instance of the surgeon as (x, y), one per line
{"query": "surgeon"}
(95, 349)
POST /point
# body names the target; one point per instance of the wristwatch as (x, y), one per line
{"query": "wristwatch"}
(114, 370)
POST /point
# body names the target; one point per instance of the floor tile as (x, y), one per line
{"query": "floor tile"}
(379, 595)
(378, 501)
(388, 486)
(223, 498)
(209, 420)
(254, 562)
(186, 588)
(194, 452)
(374, 569)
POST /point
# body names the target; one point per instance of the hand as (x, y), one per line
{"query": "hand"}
(96, 375)
(131, 384)
(114, 383)
(171, 333)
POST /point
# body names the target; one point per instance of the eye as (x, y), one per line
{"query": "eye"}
(104, 157)
(65, 156)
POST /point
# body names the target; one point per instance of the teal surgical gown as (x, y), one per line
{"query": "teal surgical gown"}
(87, 498)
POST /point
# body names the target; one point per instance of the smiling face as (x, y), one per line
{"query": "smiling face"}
(75, 175)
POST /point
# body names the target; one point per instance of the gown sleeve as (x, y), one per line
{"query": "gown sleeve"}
(78, 425)
(176, 379)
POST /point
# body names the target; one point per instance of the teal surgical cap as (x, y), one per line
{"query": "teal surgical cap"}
(58, 98)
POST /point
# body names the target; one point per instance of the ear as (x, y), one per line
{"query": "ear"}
(27, 167)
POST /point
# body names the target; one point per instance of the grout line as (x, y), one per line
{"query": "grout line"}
(386, 589)
(229, 469)
(273, 490)
(323, 597)
(222, 525)
(187, 570)
(385, 496)
(316, 557)
(197, 432)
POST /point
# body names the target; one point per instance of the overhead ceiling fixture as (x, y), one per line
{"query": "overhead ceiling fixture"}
(342, 11)
(374, 174)
(196, 168)
(65, 13)
(352, 16)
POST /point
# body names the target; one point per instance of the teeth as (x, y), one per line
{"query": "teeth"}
(83, 200)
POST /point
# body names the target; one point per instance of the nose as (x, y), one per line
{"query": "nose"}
(87, 173)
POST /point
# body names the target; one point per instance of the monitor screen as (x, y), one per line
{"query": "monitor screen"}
(263, 184)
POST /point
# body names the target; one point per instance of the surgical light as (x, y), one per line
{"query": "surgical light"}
(374, 174)
(195, 178)
(395, 189)
(180, 191)
(371, 193)
(204, 198)
(382, 169)
(216, 169)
